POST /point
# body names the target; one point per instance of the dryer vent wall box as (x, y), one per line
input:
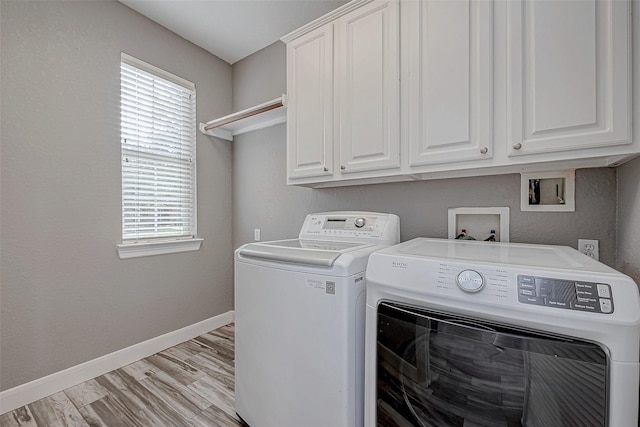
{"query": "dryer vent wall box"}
(527, 315)
(299, 321)
(548, 191)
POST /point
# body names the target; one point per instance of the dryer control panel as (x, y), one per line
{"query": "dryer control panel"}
(572, 295)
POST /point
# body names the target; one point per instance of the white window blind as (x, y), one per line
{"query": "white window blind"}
(158, 142)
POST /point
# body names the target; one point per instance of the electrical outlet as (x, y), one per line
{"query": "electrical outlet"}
(256, 234)
(589, 248)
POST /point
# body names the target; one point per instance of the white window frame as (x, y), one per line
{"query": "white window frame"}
(130, 248)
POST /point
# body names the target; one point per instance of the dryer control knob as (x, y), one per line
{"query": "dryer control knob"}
(360, 222)
(470, 281)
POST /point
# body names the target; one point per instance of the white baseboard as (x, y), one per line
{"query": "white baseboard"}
(46, 386)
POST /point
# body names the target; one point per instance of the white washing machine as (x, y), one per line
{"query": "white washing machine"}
(463, 333)
(299, 321)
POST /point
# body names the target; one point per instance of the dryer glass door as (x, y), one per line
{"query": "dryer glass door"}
(435, 369)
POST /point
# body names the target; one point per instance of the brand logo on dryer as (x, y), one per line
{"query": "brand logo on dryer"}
(399, 264)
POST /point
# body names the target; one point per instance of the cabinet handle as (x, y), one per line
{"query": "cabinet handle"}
(343, 167)
(484, 150)
(326, 170)
(517, 146)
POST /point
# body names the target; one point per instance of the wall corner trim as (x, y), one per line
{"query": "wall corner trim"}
(42, 387)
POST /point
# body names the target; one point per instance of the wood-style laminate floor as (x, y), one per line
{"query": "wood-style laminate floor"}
(191, 384)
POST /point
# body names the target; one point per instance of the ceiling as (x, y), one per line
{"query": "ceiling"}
(232, 29)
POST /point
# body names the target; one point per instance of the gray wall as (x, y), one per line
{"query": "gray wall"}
(65, 296)
(262, 199)
(629, 219)
(629, 180)
(260, 77)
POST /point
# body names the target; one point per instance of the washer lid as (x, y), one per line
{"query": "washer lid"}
(310, 252)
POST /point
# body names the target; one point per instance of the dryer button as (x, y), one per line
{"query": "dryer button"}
(528, 292)
(603, 291)
(470, 281)
(605, 305)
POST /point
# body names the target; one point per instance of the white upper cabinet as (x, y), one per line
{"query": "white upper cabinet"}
(310, 104)
(448, 78)
(396, 90)
(343, 84)
(569, 75)
(368, 87)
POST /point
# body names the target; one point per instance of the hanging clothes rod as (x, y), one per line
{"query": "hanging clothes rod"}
(266, 106)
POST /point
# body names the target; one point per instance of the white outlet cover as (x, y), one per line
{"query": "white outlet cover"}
(589, 248)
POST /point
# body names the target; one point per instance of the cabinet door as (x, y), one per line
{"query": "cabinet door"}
(568, 75)
(448, 73)
(310, 104)
(368, 87)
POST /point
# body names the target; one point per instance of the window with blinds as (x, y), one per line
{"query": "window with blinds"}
(158, 125)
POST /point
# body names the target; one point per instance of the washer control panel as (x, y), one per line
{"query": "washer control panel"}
(571, 295)
(349, 223)
(347, 226)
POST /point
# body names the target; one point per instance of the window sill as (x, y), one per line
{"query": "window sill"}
(137, 250)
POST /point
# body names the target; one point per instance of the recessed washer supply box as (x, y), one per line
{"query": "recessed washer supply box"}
(479, 221)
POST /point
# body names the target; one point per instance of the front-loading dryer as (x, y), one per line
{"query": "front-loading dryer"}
(299, 321)
(490, 334)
